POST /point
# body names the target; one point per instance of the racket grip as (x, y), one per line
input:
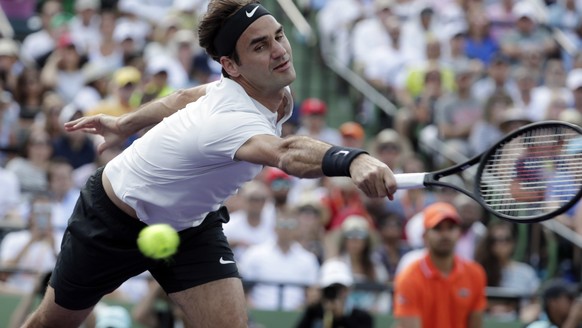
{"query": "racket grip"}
(410, 180)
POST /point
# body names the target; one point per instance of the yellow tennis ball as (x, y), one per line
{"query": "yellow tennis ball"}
(158, 241)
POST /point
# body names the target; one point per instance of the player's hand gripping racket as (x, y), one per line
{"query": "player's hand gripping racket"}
(532, 174)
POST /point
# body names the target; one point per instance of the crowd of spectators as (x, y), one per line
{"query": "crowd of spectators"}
(461, 73)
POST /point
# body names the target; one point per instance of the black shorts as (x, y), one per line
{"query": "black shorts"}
(99, 252)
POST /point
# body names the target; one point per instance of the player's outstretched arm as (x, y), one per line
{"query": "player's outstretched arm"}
(305, 157)
(115, 130)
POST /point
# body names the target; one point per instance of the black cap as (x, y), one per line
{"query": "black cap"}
(559, 287)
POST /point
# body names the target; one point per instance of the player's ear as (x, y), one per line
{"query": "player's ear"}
(229, 66)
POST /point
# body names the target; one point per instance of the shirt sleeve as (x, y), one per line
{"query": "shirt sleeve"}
(226, 133)
(406, 302)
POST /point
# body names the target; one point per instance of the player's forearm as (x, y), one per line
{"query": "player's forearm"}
(156, 110)
(302, 156)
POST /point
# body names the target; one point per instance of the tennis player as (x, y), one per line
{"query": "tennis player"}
(181, 171)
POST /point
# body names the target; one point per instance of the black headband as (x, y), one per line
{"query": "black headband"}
(234, 26)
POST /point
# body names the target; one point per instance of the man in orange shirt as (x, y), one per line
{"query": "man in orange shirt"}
(440, 290)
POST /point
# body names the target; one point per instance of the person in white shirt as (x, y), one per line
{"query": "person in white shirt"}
(182, 170)
(254, 223)
(32, 251)
(279, 261)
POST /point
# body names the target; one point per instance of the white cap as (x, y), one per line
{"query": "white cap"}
(524, 9)
(157, 65)
(86, 4)
(335, 271)
(8, 47)
(574, 80)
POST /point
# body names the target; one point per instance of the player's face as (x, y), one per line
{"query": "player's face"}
(266, 61)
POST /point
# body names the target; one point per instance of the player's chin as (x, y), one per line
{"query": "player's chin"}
(444, 249)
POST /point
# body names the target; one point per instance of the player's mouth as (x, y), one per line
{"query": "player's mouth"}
(282, 67)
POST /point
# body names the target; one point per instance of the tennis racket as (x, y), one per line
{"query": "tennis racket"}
(532, 174)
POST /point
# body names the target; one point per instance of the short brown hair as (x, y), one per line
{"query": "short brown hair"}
(216, 15)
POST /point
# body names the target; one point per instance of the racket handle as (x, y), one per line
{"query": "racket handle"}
(410, 180)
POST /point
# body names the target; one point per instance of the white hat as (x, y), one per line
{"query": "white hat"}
(574, 80)
(355, 226)
(86, 4)
(68, 113)
(94, 71)
(524, 9)
(8, 47)
(334, 271)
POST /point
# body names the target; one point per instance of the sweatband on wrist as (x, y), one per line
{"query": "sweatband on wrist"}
(337, 160)
(234, 26)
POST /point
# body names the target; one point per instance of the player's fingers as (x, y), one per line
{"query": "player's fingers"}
(79, 124)
(390, 184)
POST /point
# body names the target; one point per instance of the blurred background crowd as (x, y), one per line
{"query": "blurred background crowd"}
(459, 73)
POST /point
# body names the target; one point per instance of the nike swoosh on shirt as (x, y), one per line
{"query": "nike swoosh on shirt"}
(223, 261)
(250, 14)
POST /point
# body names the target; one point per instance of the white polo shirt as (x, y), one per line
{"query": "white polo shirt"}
(184, 167)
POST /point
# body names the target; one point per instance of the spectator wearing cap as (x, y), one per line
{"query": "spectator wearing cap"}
(96, 81)
(390, 146)
(313, 112)
(558, 298)
(280, 260)
(454, 44)
(131, 30)
(335, 283)
(279, 184)
(527, 37)
(9, 62)
(419, 290)
(63, 69)
(356, 248)
(158, 74)
(125, 82)
(574, 83)
(353, 135)
(84, 26)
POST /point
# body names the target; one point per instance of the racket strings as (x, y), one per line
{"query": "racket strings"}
(534, 173)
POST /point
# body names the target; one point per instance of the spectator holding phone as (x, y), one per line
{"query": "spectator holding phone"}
(30, 251)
